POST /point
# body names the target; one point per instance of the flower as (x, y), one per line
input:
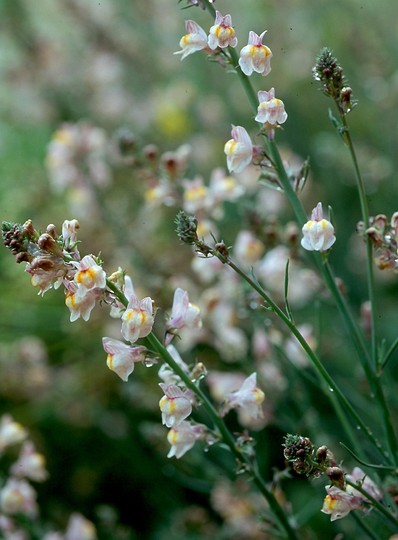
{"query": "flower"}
(195, 195)
(80, 528)
(271, 110)
(30, 464)
(183, 314)
(69, 234)
(17, 496)
(89, 274)
(80, 301)
(11, 432)
(255, 56)
(318, 233)
(194, 40)
(359, 477)
(221, 33)
(175, 405)
(249, 398)
(121, 357)
(183, 437)
(239, 150)
(137, 319)
(339, 503)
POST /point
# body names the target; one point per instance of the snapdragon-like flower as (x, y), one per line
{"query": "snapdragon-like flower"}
(359, 477)
(137, 319)
(183, 437)
(30, 464)
(255, 56)
(318, 233)
(69, 234)
(248, 398)
(271, 110)
(175, 405)
(18, 497)
(121, 357)
(80, 300)
(339, 503)
(11, 432)
(194, 40)
(168, 375)
(222, 33)
(80, 528)
(239, 150)
(89, 274)
(183, 314)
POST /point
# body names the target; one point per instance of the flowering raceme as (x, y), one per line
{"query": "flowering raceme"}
(255, 56)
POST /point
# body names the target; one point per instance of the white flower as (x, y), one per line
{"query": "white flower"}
(194, 40)
(183, 314)
(248, 398)
(339, 503)
(221, 33)
(359, 477)
(121, 357)
(239, 150)
(80, 528)
(30, 464)
(89, 274)
(175, 405)
(183, 437)
(80, 300)
(17, 496)
(137, 319)
(255, 56)
(318, 233)
(11, 432)
(271, 110)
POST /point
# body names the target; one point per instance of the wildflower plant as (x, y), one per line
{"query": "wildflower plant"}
(247, 308)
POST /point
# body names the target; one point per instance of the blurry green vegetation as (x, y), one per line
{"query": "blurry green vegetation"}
(111, 64)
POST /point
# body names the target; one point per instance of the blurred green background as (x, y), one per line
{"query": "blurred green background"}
(111, 64)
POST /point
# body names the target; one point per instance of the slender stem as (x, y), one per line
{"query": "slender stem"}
(382, 509)
(154, 344)
(320, 369)
(388, 355)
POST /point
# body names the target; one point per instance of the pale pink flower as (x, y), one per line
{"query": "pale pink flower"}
(248, 398)
(17, 496)
(223, 187)
(221, 33)
(80, 528)
(239, 150)
(11, 432)
(89, 274)
(195, 195)
(318, 233)
(271, 110)
(194, 40)
(175, 405)
(255, 56)
(80, 301)
(359, 477)
(183, 437)
(30, 464)
(124, 283)
(137, 319)
(339, 503)
(247, 249)
(121, 357)
(183, 314)
(69, 233)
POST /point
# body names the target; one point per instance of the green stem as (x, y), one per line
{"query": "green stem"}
(155, 345)
(320, 369)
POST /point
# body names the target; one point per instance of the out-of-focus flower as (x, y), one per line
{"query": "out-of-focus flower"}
(359, 477)
(194, 40)
(183, 437)
(137, 319)
(121, 357)
(271, 110)
(294, 350)
(339, 503)
(11, 432)
(183, 314)
(175, 405)
(239, 150)
(222, 33)
(80, 528)
(247, 249)
(80, 301)
(17, 496)
(223, 187)
(89, 274)
(195, 195)
(255, 56)
(249, 397)
(30, 464)
(318, 233)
